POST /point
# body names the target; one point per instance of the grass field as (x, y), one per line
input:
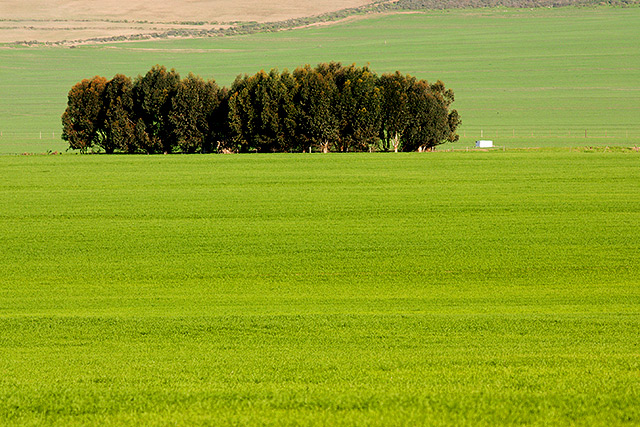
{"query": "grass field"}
(524, 78)
(71, 22)
(442, 288)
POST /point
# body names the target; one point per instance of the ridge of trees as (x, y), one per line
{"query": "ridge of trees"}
(330, 107)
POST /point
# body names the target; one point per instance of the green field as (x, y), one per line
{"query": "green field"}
(365, 289)
(525, 78)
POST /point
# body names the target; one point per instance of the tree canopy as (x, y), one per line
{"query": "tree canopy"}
(329, 107)
(82, 121)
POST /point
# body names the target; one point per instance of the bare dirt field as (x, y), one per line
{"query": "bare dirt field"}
(57, 20)
(77, 30)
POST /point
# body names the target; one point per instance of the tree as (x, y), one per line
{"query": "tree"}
(152, 96)
(219, 123)
(431, 122)
(358, 107)
(415, 114)
(288, 114)
(265, 97)
(241, 115)
(446, 98)
(331, 107)
(395, 117)
(118, 124)
(262, 116)
(189, 119)
(82, 119)
(314, 96)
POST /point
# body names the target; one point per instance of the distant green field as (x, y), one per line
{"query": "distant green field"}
(543, 77)
(368, 289)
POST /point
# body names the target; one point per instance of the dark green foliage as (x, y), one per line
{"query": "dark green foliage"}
(395, 108)
(415, 114)
(152, 96)
(357, 108)
(240, 112)
(218, 121)
(429, 123)
(315, 96)
(189, 119)
(288, 113)
(81, 121)
(261, 112)
(330, 108)
(119, 125)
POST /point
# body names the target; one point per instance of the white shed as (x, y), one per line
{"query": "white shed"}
(484, 143)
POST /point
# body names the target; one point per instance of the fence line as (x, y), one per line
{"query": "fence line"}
(37, 135)
(49, 136)
(466, 131)
(540, 133)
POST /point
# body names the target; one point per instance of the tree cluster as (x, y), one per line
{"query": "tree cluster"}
(329, 107)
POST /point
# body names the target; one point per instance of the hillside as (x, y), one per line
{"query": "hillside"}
(541, 77)
(185, 10)
(69, 22)
(57, 20)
